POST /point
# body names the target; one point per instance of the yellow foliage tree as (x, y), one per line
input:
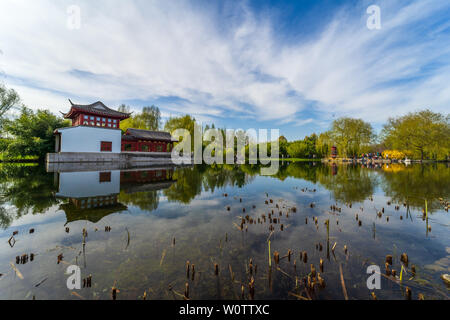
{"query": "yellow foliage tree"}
(393, 154)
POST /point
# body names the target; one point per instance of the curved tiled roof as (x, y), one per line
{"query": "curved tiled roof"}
(139, 134)
(97, 108)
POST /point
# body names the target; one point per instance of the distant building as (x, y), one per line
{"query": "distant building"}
(96, 129)
(334, 152)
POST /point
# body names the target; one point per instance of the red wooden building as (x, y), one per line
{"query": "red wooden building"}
(96, 128)
(95, 115)
(333, 152)
(137, 140)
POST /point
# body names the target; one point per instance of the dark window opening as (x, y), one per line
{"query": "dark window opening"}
(105, 146)
(105, 177)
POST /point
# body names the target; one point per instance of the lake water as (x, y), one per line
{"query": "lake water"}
(160, 218)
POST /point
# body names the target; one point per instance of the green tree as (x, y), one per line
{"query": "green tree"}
(32, 133)
(323, 145)
(8, 99)
(283, 145)
(351, 136)
(310, 142)
(148, 119)
(298, 149)
(183, 122)
(423, 133)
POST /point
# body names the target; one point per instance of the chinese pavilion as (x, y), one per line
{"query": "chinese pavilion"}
(96, 128)
(95, 115)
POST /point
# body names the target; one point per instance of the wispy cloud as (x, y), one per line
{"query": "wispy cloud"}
(230, 63)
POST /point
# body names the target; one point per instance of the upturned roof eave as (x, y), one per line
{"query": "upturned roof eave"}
(114, 114)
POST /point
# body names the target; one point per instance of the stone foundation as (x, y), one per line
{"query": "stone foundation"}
(105, 157)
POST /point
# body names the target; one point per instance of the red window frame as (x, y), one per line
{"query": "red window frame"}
(105, 146)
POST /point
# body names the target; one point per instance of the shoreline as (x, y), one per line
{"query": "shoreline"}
(382, 161)
(164, 159)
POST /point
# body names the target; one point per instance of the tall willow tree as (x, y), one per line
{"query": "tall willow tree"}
(421, 134)
(323, 145)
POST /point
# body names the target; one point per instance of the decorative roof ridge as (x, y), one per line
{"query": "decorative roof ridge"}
(148, 130)
(92, 108)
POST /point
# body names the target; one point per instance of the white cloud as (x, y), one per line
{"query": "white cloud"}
(145, 50)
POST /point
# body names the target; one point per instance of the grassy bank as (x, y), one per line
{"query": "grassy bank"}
(8, 158)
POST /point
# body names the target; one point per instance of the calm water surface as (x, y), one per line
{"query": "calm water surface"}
(160, 218)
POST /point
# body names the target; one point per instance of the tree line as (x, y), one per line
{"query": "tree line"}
(420, 135)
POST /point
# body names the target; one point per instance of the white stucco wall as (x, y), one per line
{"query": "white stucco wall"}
(87, 184)
(87, 139)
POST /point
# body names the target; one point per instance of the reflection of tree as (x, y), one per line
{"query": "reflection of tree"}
(192, 181)
(6, 218)
(141, 187)
(27, 188)
(31, 189)
(221, 176)
(299, 170)
(188, 185)
(147, 200)
(349, 183)
(414, 184)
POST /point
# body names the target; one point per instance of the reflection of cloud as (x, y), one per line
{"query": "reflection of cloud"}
(148, 51)
(199, 203)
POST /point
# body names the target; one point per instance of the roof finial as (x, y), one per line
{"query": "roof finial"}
(71, 102)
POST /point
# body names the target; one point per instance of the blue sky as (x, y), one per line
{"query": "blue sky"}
(291, 65)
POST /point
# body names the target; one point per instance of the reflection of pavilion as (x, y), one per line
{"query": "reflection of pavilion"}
(93, 195)
(74, 211)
